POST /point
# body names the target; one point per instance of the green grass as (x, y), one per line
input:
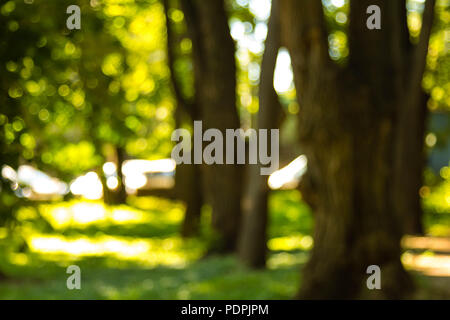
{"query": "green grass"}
(167, 267)
(135, 252)
(215, 278)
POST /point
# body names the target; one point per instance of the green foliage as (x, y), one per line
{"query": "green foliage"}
(437, 76)
(74, 159)
(436, 203)
(103, 84)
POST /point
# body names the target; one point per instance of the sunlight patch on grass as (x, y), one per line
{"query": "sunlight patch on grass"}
(86, 213)
(153, 203)
(149, 252)
(285, 259)
(290, 243)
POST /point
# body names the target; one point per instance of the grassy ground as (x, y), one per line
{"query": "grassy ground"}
(134, 252)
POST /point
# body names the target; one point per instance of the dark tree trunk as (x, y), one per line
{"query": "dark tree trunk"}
(188, 176)
(188, 188)
(121, 194)
(253, 235)
(215, 84)
(410, 158)
(410, 163)
(349, 129)
(188, 184)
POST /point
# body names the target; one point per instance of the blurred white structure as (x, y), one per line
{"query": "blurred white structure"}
(31, 183)
(289, 177)
(147, 174)
(138, 174)
(89, 186)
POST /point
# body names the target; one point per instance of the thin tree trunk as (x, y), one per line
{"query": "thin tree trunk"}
(108, 197)
(121, 194)
(253, 235)
(187, 176)
(410, 163)
(215, 84)
(188, 190)
(410, 158)
(349, 131)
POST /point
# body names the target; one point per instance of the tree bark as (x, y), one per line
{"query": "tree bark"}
(188, 189)
(349, 131)
(410, 157)
(121, 194)
(215, 84)
(188, 176)
(253, 235)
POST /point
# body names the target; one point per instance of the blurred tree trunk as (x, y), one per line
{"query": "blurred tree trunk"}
(188, 189)
(107, 194)
(410, 164)
(215, 86)
(120, 192)
(188, 176)
(118, 195)
(353, 130)
(253, 235)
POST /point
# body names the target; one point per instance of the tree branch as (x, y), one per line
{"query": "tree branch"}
(304, 31)
(403, 25)
(270, 111)
(420, 51)
(400, 42)
(193, 24)
(171, 57)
